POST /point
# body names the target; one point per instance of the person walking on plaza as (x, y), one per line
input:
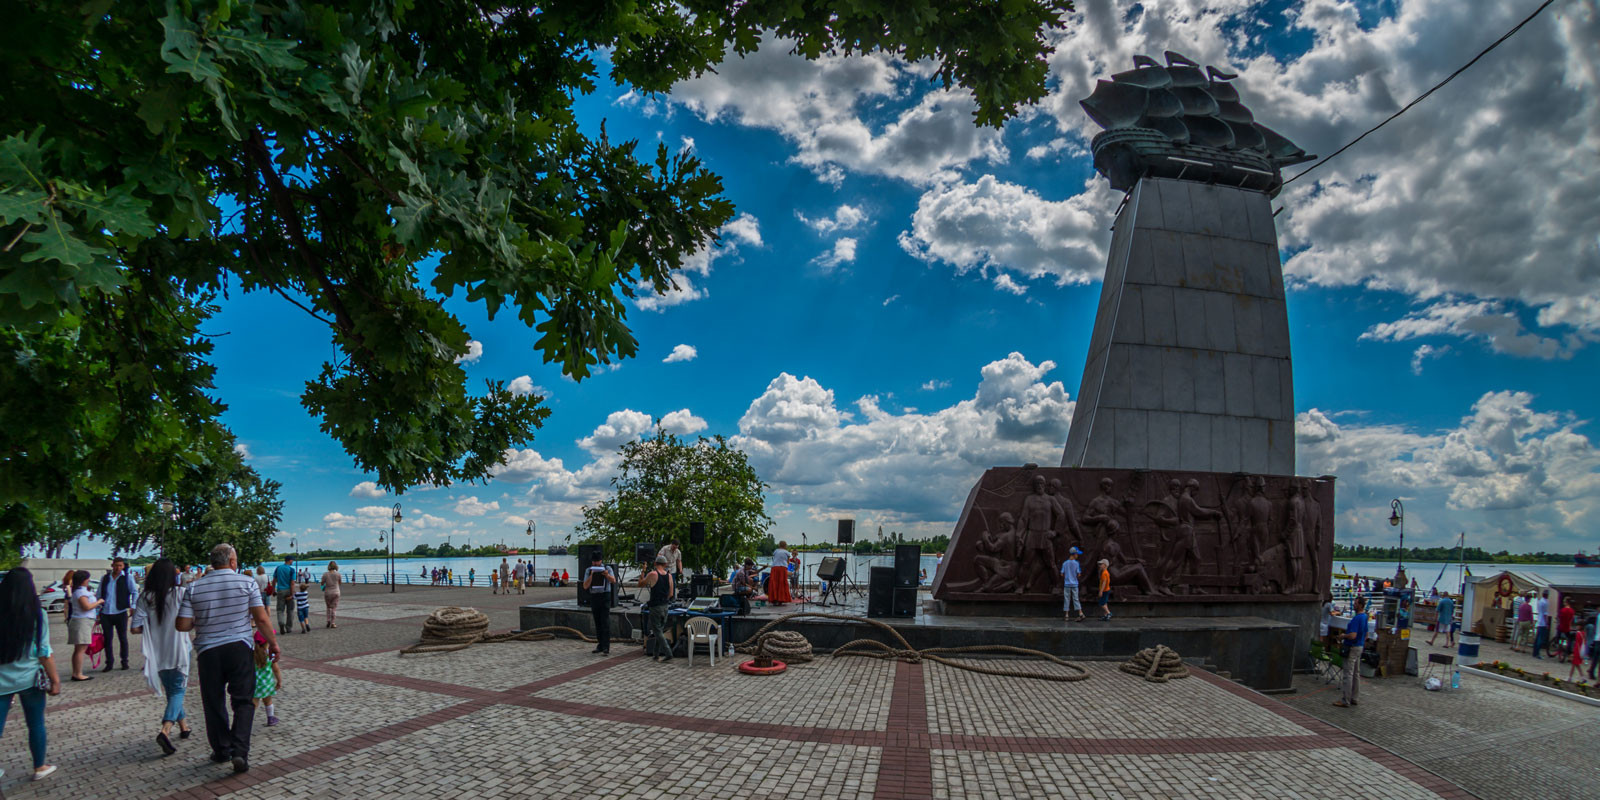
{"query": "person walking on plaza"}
(166, 651)
(116, 592)
(1576, 655)
(331, 586)
(674, 555)
(1541, 616)
(268, 679)
(1447, 622)
(659, 581)
(302, 607)
(220, 608)
(283, 588)
(597, 582)
(1105, 590)
(1070, 601)
(778, 578)
(1564, 629)
(85, 609)
(1524, 623)
(27, 666)
(1355, 632)
(263, 580)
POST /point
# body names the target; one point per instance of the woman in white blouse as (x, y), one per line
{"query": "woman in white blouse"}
(166, 650)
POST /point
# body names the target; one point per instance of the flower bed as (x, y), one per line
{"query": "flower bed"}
(1536, 678)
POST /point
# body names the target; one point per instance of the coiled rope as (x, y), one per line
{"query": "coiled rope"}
(453, 628)
(766, 639)
(1157, 664)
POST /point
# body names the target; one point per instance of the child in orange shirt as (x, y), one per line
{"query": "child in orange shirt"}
(1105, 590)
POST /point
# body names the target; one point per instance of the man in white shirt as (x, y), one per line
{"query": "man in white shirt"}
(674, 556)
(220, 608)
(118, 591)
(1541, 620)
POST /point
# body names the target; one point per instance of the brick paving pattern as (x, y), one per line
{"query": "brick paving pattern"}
(1493, 738)
(552, 720)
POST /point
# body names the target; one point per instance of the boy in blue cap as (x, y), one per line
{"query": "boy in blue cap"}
(1069, 585)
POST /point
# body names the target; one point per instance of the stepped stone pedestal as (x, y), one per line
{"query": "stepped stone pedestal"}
(1188, 366)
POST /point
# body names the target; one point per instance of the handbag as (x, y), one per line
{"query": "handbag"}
(41, 678)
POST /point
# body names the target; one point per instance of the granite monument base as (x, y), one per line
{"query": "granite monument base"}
(1257, 651)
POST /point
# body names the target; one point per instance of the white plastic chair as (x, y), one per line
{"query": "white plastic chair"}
(706, 631)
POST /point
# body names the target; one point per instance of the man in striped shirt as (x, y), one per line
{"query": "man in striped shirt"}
(220, 608)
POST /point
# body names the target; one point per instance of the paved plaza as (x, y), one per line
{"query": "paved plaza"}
(552, 720)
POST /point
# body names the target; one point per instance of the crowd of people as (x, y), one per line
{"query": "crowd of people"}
(214, 619)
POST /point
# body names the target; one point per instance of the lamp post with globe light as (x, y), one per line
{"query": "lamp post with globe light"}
(1397, 518)
(393, 520)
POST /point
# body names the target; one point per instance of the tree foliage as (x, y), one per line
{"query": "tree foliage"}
(221, 499)
(663, 484)
(157, 154)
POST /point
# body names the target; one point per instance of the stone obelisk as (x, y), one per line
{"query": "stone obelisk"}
(1188, 365)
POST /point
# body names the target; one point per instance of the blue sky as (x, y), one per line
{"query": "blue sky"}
(906, 300)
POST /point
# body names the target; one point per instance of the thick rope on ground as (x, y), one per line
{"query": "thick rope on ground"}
(872, 648)
(790, 647)
(1157, 664)
(453, 628)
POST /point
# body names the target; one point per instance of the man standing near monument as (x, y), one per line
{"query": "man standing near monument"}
(597, 582)
(1355, 632)
(1541, 621)
(1070, 601)
(659, 581)
(1038, 529)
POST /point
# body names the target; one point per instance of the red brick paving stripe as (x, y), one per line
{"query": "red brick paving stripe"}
(322, 755)
(1125, 746)
(904, 768)
(1416, 773)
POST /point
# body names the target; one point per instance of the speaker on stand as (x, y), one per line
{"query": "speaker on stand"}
(847, 531)
(697, 533)
(644, 553)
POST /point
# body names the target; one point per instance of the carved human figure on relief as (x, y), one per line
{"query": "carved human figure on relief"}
(1125, 569)
(1037, 534)
(1067, 529)
(1294, 539)
(1184, 557)
(1267, 554)
(1312, 525)
(1101, 512)
(995, 565)
(1164, 513)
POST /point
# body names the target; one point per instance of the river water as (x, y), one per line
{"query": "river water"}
(414, 570)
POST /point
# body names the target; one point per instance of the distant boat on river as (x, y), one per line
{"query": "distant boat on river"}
(1582, 560)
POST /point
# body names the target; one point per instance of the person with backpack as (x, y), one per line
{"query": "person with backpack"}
(283, 588)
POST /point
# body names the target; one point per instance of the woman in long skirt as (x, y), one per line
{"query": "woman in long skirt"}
(778, 582)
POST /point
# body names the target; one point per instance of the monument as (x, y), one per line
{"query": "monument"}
(1179, 464)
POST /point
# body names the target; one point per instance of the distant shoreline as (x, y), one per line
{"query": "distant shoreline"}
(1496, 563)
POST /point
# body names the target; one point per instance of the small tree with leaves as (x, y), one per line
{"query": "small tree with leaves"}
(665, 483)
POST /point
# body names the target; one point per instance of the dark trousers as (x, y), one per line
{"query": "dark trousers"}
(117, 623)
(657, 645)
(228, 674)
(1541, 640)
(600, 607)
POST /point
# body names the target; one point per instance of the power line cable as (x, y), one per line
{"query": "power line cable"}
(1424, 95)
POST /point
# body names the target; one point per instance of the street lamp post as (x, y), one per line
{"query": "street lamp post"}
(1397, 518)
(166, 520)
(395, 518)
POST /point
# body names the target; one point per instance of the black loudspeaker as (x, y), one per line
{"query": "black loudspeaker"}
(905, 601)
(585, 556)
(831, 569)
(847, 531)
(880, 591)
(697, 533)
(907, 565)
(644, 553)
(703, 585)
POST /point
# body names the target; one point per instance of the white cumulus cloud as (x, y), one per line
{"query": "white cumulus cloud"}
(367, 489)
(682, 352)
(474, 353)
(473, 507)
